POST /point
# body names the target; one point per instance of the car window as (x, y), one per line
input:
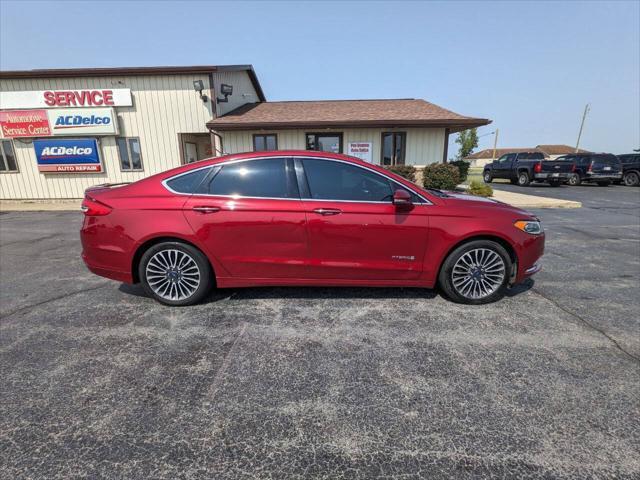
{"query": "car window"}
(188, 182)
(330, 180)
(265, 178)
(503, 158)
(531, 156)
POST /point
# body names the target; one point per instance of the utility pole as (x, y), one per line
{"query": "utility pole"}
(584, 116)
(495, 144)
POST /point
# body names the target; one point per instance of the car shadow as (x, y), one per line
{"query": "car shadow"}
(319, 293)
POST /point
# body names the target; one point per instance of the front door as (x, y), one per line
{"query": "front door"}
(251, 219)
(355, 231)
(502, 168)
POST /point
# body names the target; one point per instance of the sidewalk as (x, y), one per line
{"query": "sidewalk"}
(40, 205)
(532, 201)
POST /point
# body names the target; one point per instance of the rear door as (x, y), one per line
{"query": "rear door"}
(354, 230)
(250, 217)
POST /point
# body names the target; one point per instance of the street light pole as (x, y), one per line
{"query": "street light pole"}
(584, 116)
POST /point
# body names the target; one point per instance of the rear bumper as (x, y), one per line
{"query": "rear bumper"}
(107, 272)
(105, 250)
(552, 176)
(603, 176)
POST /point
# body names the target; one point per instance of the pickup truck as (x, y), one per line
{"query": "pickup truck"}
(600, 168)
(522, 168)
(630, 169)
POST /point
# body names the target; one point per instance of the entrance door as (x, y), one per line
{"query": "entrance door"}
(355, 231)
(251, 219)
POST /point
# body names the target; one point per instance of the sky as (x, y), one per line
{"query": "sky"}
(529, 66)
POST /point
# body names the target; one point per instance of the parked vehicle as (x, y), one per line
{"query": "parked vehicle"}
(522, 168)
(303, 218)
(630, 169)
(600, 168)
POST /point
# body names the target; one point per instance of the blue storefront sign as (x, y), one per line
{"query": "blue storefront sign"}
(74, 155)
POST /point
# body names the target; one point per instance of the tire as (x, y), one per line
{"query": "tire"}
(453, 283)
(574, 180)
(631, 179)
(554, 183)
(164, 281)
(604, 184)
(486, 176)
(523, 179)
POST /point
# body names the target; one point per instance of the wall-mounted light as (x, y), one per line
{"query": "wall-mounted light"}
(225, 90)
(198, 86)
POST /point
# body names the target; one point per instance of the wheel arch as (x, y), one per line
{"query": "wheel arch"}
(146, 245)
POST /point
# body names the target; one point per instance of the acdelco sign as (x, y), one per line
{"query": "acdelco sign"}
(83, 121)
(73, 155)
(116, 97)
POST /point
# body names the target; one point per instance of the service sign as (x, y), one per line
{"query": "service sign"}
(108, 97)
(83, 121)
(24, 123)
(78, 155)
(361, 150)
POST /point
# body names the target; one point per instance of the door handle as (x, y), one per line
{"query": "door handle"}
(327, 211)
(205, 209)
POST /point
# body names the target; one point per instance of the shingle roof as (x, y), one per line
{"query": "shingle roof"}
(488, 152)
(560, 149)
(343, 113)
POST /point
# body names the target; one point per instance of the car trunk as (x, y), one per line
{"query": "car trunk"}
(551, 166)
(605, 164)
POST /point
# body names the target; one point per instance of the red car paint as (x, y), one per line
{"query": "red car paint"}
(257, 241)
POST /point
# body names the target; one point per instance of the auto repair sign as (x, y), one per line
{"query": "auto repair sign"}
(78, 155)
(108, 97)
(83, 121)
(24, 123)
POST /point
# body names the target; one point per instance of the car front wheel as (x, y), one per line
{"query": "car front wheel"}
(175, 273)
(487, 177)
(631, 179)
(523, 179)
(476, 273)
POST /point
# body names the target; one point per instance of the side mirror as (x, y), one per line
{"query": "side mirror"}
(402, 198)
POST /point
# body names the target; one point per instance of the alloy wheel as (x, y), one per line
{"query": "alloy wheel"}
(478, 273)
(631, 179)
(173, 274)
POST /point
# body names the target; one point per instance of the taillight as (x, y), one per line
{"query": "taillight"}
(537, 167)
(93, 208)
(573, 167)
(590, 169)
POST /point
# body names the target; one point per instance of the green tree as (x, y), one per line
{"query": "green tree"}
(468, 140)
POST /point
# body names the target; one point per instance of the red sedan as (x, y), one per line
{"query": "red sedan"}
(303, 218)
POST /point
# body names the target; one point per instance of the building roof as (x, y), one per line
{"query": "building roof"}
(560, 149)
(343, 113)
(488, 152)
(133, 71)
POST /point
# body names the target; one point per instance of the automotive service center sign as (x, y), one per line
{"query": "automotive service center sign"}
(68, 155)
(24, 123)
(64, 121)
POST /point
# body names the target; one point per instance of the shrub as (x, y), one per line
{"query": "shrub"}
(463, 168)
(406, 171)
(480, 189)
(441, 175)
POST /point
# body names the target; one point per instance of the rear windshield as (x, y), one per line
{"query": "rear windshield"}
(530, 156)
(606, 159)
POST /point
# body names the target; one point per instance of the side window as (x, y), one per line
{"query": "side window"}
(503, 158)
(329, 180)
(265, 178)
(7, 157)
(129, 151)
(188, 182)
(265, 142)
(510, 157)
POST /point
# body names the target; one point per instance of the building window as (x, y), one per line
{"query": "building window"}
(8, 160)
(265, 142)
(325, 142)
(393, 148)
(129, 151)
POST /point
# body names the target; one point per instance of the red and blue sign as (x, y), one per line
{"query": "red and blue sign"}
(75, 155)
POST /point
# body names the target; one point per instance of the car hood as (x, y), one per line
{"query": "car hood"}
(467, 200)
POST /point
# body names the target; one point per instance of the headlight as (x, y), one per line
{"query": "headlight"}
(529, 226)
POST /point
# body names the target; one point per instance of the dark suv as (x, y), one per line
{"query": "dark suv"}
(601, 168)
(630, 169)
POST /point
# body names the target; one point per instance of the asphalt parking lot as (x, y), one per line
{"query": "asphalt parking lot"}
(99, 381)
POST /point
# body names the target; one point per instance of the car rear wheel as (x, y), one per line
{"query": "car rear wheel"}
(476, 273)
(487, 177)
(631, 179)
(574, 180)
(523, 179)
(603, 184)
(175, 273)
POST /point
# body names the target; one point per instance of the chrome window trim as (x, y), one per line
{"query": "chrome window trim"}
(236, 197)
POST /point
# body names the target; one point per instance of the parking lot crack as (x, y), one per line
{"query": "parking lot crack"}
(217, 380)
(590, 325)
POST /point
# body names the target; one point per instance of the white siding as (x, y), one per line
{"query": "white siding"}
(163, 107)
(243, 90)
(424, 145)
